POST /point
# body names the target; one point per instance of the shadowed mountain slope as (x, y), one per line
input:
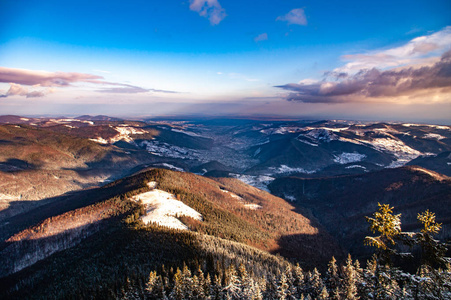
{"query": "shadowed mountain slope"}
(341, 203)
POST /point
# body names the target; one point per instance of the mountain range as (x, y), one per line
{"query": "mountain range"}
(95, 202)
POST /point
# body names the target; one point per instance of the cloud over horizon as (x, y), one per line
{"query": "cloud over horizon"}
(19, 90)
(210, 9)
(403, 74)
(295, 16)
(36, 79)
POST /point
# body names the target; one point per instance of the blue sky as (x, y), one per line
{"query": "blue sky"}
(220, 57)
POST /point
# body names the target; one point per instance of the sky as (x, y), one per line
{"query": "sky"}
(359, 60)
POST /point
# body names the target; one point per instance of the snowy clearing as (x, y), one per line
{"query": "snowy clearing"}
(434, 136)
(252, 206)
(260, 182)
(284, 169)
(355, 166)
(233, 195)
(289, 197)
(346, 158)
(99, 140)
(185, 132)
(401, 151)
(163, 209)
(308, 143)
(170, 167)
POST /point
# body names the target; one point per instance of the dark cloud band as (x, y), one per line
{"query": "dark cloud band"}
(374, 83)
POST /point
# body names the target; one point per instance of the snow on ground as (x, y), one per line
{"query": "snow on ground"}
(99, 140)
(434, 136)
(355, 166)
(185, 132)
(62, 121)
(152, 184)
(308, 143)
(260, 182)
(125, 132)
(279, 130)
(346, 158)
(167, 150)
(162, 208)
(322, 135)
(251, 206)
(233, 195)
(401, 151)
(289, 197)
(284, 169)
(432, 126)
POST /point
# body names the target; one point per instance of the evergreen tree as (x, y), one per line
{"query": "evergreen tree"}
(233, 283)
(315, 283)
(177, 292)
(389, 227)
(350, 280)
(247, 284)
(282, 287)
(155, 287)
(298, 282)
(216, 291)
(332, 277)
(433, 252)
(324, 294)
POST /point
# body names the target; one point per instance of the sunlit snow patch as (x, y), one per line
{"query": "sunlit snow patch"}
(355, 166)
(163, 209)
(401, 151)
(251, 206)
(434, 136)
(233, 195)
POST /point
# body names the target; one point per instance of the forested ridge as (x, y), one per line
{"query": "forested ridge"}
(122, 258)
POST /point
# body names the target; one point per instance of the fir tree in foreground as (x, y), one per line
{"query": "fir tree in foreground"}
(381, 279)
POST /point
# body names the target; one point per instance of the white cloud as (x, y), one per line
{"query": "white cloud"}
(19, 90)
(261, 37)
(210, 9)
(295, 16)
(416, 72)
(416, 51)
